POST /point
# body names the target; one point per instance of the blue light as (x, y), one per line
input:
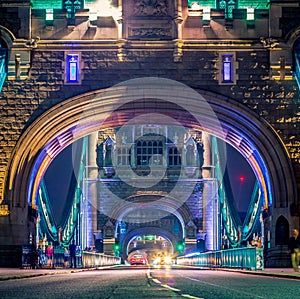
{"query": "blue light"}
(72, 68)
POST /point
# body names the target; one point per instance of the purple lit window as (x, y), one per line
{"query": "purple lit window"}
(72, 68)
(227, 66)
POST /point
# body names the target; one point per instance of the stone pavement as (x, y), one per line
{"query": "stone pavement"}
(15, 273)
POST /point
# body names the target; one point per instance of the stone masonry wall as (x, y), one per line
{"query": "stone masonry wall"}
(21, 102)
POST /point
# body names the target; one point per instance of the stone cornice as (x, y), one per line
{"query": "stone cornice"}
(106, 45)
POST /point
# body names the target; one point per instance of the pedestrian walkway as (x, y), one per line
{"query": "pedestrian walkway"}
(15, 273)
(275, 272)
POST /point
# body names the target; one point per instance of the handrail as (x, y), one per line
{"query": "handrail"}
(241, 258)
(94, 259)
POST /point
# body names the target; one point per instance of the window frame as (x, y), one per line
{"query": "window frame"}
(67, 68)
(227, 59)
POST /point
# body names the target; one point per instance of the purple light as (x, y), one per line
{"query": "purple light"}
(227, 68)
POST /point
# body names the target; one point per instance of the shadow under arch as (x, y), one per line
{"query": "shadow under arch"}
(182, 213)
(79, 116)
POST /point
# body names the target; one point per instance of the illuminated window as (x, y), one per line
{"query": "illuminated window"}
(195, 6)
(72, 69)
(206, 14)
(49, 14)
(227, 69)
(250, 13)
(149, 152)
(72, 6)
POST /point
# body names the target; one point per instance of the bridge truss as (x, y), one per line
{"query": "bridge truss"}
(236, 231)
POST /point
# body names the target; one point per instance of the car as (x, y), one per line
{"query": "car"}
(138, 259)
(163, 260)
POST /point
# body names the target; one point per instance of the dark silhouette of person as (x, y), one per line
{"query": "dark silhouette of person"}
(294, 249)
(72, 250)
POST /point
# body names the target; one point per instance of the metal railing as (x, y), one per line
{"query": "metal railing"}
(3, 70)
(94, 259)
(240, 258)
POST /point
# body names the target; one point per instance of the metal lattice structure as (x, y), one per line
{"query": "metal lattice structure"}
(3, 71)
(61, 235)
(236, 231)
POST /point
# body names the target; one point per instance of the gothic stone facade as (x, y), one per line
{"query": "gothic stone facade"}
(164, 41)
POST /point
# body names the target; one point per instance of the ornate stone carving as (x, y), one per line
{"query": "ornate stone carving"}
(150, 7)
(4, 210)
(269, 42)
(150, 32)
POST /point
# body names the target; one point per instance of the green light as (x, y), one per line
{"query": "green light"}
(180, 246)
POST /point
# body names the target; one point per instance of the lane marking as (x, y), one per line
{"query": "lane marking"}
(170, 288)
(220, 286)
(190, 296)
(178, 291)
(156, 280)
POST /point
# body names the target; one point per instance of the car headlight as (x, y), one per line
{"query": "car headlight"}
(168, 260)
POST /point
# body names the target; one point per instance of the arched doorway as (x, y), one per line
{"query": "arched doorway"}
(152, 243)
(79, 116)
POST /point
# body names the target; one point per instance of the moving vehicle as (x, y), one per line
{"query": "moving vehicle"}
(138, 259)
(163, 260)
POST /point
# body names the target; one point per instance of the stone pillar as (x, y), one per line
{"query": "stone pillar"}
(16, 230)
(210, 199)
(120, 20)
(90, 194)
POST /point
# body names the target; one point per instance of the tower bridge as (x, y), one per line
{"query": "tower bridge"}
(146, 92)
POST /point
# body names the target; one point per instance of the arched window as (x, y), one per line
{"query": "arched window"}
(174, 157)
(282, 231)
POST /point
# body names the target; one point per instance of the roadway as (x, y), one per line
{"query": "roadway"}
(137, 282)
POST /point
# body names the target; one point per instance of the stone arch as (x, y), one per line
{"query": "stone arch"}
(151, 230)
(182, 213)
(7, 36)
(291, 39)
(79, 116)
(292, 36)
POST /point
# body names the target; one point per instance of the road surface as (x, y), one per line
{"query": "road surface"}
(156, 283)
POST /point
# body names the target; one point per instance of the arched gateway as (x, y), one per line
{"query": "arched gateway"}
(151, 101)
